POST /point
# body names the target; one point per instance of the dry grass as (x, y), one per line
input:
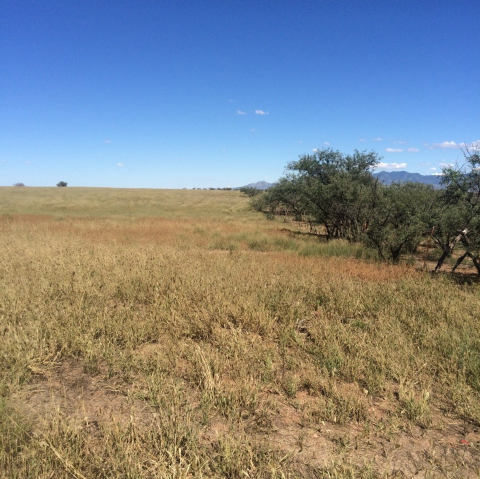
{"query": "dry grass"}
(205, 342)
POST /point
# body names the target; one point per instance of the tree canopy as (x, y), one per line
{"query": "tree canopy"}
(340, 192)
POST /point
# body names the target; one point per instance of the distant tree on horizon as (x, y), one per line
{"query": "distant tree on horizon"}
(62, 183)
(19, 184)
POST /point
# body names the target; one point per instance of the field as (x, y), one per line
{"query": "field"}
(175, 334)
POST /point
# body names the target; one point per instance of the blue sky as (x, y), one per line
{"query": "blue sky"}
(216, 93)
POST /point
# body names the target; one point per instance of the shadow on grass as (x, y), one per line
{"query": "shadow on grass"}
(459, 277)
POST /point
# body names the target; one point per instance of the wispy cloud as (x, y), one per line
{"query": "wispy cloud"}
(391, 166)
(3, 161)
(120, 165)
(240, 112)
(412, 150)
(448, 144)
(362, 140)
(451, 144)
(261, 112)
(400, 142)
(326, 143)
(377, 139)
(394, 150)
(433, 169)
(107, 141)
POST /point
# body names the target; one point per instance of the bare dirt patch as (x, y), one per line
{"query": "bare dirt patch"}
(68, 391)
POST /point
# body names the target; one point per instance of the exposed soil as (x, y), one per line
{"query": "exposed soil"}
(449, 448)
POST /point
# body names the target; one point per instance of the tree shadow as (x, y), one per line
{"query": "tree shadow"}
(460, 278)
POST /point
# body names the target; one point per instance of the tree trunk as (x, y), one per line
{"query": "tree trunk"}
(459, 261)
(475, 262)
(449, 249)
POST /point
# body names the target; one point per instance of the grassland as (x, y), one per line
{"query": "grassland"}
(179, 334)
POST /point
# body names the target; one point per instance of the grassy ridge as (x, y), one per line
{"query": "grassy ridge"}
(213, 345)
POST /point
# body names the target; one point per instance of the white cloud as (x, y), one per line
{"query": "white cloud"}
(261, 112)
(377, 139)
(315, 150)
(121, 165)
(362, 140)
(437, 174)
(240, 112)
(448, 144)
(433, 169)
(252, 130)
(3, 161)
(412, 150)
(394, 150)
(451, 144)
(326, 143)
(444, 164)
(107, 141)
(391, 166)
(400, 142)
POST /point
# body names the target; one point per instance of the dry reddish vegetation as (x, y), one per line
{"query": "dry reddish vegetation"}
(227, 348)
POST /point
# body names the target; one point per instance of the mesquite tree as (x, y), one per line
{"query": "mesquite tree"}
(400, 219)
(336, 190)
(460, 218)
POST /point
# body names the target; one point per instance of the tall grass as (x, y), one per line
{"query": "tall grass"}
(184, 346)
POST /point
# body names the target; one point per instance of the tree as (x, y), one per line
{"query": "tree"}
(400, 219)
(336, 190)
(19, 184)
(250, 191)
(62, 183)
(460, 219)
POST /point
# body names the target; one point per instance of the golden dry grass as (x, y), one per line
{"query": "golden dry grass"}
(211, 342)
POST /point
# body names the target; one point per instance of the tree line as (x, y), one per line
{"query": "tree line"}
(339, 192)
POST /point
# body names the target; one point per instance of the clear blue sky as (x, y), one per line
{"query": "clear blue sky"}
(172, 94)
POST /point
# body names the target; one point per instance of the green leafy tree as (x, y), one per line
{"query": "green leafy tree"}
(62, 183)
(400, 219)
(250, 191)
(334, 189)
(459, 220)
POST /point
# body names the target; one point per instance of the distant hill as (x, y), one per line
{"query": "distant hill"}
(386, 177)
(389, 177)
(260, 185)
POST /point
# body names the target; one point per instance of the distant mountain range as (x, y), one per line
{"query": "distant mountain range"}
(260, 185)
(387, 177)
